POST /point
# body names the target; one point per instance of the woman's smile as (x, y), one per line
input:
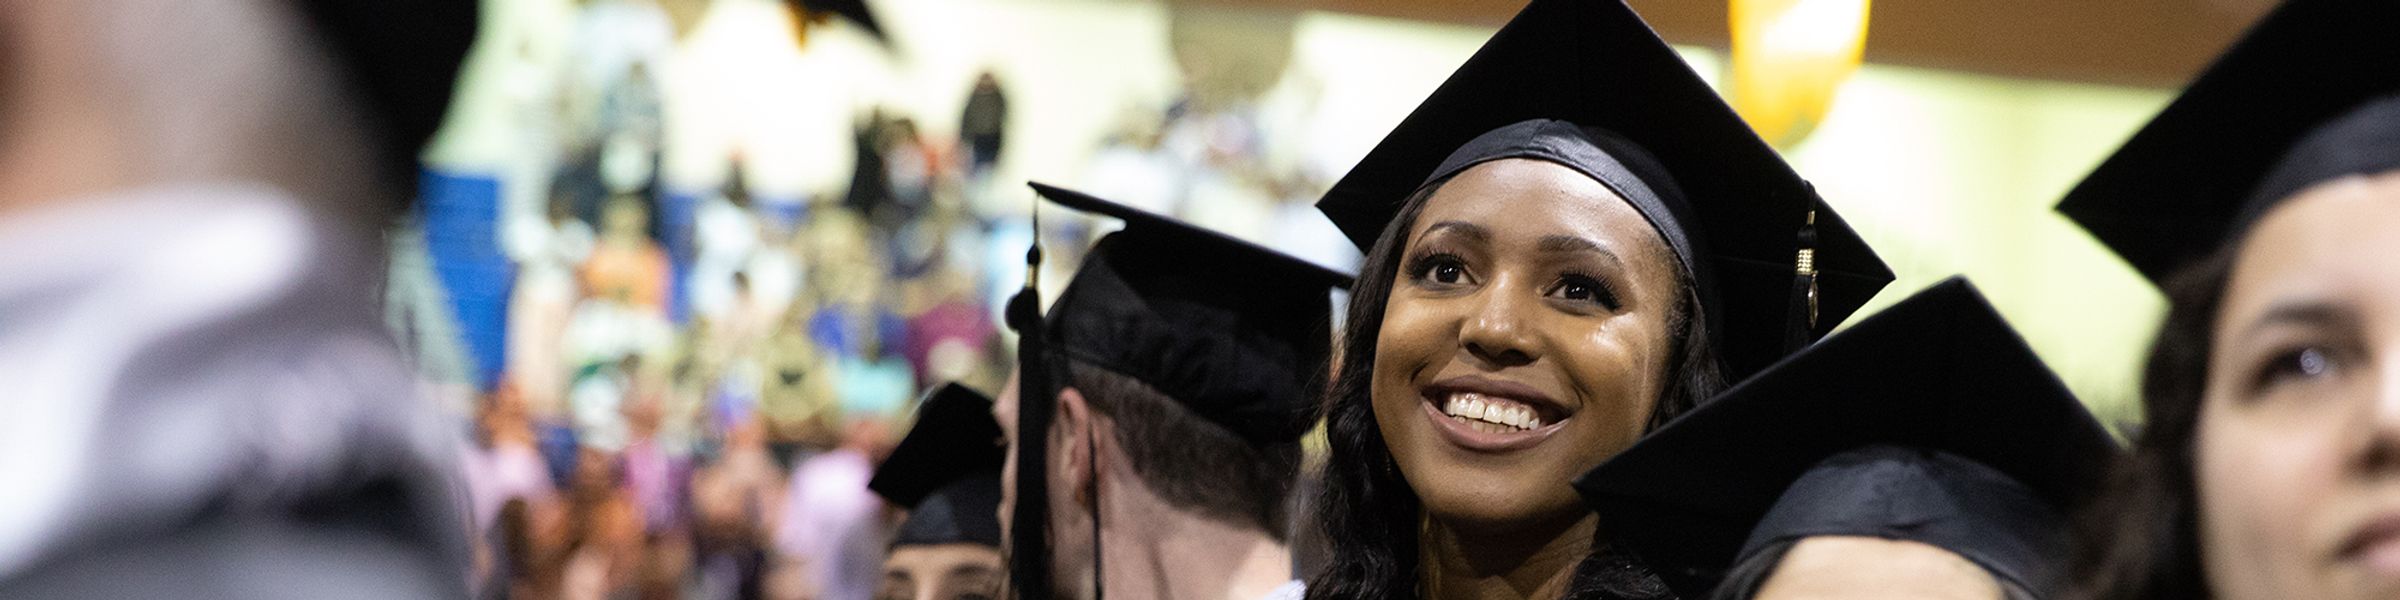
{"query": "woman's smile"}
(1492, 416)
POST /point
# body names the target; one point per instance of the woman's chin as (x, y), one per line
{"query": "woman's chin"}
(1501, 510)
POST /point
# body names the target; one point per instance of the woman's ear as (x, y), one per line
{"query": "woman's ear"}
(1071, 425)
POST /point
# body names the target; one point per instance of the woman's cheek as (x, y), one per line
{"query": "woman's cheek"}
(1619, 364)
(1409, 339)
(2261, 481)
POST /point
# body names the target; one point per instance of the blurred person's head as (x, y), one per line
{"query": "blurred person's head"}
(327, 101)
(666, 562)
(535, 540)
(945, 474)
(597, 474)
(625, 219)
(504, 415)
(957, 571)
(737, 186)
(870, 434)
(644, 410)
(2268, 465)
(789, 578)
(747, 432)
(560, 206)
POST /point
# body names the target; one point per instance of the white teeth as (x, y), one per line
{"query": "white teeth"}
(1490, 414)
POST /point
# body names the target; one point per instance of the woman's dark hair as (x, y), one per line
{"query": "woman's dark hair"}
(2140, 538)
(1368, 513)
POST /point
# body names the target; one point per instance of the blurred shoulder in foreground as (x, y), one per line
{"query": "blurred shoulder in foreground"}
(202, 399)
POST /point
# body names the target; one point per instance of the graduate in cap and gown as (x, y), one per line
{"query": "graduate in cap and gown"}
(2265, 202)
(1924, 453)
(1156, 415)
(1572, 241)
(946, 474)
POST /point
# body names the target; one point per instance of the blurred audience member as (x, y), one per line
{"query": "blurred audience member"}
(832, 529)
(547, 253)
(508, 464)
(983, 123)
(628, 263)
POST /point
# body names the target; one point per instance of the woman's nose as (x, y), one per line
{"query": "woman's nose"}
(2383, 419)
(1496, 333)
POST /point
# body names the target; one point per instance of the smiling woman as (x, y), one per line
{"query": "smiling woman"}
(1493, 325)
(1554, 267)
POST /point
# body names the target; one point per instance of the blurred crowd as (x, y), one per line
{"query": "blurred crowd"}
(691, 407)
(696, 387)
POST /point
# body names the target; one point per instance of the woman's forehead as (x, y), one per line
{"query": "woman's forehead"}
(2334, 243)
(1525, 198)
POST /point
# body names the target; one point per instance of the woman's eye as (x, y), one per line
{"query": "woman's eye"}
(1583, 288)
(2294, 365)
(1439, 268)
(1447, 273)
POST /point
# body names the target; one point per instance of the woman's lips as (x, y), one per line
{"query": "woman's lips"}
(1492, 416)
(2375, 544)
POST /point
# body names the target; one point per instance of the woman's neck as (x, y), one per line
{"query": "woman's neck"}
(1534, 563)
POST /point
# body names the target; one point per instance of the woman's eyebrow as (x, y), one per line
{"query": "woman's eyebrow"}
(2306, 313)
(1568, 244)
(1460, 228)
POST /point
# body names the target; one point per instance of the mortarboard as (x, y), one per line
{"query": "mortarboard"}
(1579, 82)
(2240, 137)
(946, 471)
(1940, 371)
(1237, 333)
(854, 10)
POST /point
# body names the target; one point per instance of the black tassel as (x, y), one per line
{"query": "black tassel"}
(1029, 527)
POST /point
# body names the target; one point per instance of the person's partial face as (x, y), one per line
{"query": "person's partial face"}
(1525, 341)
(962, 571)
(1004, 410)
(1869, 568)
(1070, 532)
(2298, 445)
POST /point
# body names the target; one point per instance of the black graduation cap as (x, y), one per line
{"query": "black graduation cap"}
(947, 471)
(1595, 65)
(854, 10)
(400, 59)
(1939, 371)
(1925, 496)
(1237, 333)
(2181, 185)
